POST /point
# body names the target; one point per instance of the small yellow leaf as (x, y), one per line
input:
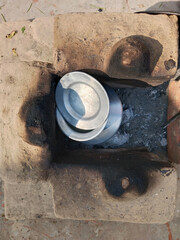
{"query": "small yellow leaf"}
(14, 52)
(11, 35)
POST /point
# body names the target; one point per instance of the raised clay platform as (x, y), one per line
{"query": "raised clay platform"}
(39, 175)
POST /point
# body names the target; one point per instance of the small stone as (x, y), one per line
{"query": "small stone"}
(163, 142)
(78, 186)
(170, 64)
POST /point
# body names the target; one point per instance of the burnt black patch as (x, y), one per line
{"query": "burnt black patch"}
(38, 112)
(134, 56)
(177, 79)
(36, 115)
(134, 165)
(170, 64)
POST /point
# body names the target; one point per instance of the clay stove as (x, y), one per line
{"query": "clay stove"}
(41, 175)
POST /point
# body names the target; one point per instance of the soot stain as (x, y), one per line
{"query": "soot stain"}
(38, 112)
(135, 56)
(170, 64)
(133, 165)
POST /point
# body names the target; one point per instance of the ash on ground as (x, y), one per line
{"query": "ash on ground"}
(144, 115)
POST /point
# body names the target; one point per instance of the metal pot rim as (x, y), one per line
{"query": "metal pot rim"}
(75, 135)
(82, 100)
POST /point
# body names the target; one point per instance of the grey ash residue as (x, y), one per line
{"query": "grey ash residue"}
(144, 114)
